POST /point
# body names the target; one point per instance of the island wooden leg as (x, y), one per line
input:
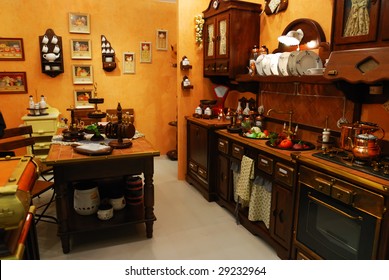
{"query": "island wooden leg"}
(149, 196)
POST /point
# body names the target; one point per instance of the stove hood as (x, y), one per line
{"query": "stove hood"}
(363, 74)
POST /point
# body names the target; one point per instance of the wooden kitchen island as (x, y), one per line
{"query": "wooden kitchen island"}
(70, 166)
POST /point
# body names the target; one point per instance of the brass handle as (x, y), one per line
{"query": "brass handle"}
(334, 209)
(332, 72)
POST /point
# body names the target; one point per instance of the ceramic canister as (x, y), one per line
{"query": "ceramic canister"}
(86, 198)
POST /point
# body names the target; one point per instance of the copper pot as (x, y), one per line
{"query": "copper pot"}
(365, 147)
(351, 131)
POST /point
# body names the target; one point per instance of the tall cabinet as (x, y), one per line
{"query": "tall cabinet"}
(231, 29)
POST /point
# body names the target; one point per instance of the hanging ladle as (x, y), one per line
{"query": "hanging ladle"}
(343, 119)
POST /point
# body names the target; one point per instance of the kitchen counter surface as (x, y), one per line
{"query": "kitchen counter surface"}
(306, 157)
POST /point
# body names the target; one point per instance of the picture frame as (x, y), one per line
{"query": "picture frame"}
(11, 49)
(79, 23)
(145, 52)
(81, 48)
(344, 14)
(13, 82)
(162, 40)
(82, 74)
(81, 97)
(129, 63)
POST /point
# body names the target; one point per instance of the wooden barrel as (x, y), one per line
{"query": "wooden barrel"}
(134, 190)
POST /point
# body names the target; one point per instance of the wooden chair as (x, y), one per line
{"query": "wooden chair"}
(21, 137)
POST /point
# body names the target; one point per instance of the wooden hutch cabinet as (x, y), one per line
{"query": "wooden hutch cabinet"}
(231, 29)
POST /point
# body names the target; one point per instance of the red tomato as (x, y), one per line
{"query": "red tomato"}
(266, 132)
(286, 144)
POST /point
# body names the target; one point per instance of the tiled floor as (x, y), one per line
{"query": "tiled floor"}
(187, 227)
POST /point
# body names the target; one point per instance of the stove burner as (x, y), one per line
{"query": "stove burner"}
(378, 168)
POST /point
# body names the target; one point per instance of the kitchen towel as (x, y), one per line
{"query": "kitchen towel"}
(243, 188)
(260, 201)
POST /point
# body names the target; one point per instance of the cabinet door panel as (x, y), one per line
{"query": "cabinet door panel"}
(209, 38)
(198, 145)
(281, 218)
(354, 23)
(222, 177)
(223, 37)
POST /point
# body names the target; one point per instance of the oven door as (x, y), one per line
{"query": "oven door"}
(334, 230)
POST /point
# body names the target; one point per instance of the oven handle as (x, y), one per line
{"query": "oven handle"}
(334, 208)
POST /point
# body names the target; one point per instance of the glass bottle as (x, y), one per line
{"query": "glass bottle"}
(31, 105)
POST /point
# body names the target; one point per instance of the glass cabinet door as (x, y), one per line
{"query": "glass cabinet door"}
(222, 38)
(210, 38)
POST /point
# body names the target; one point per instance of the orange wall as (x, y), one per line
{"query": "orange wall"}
(151, 91)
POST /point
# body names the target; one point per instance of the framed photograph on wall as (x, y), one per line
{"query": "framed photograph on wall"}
(145, 52)
(82, 74)
(162, 40)
(81, 98)
(79, 23)
(81, 48)
(11, 49)
(129, 63)
(13, 82)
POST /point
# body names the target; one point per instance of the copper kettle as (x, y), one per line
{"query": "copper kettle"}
(365, 147)
(350, 131)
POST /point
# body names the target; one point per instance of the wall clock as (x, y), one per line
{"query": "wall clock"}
(215, 4)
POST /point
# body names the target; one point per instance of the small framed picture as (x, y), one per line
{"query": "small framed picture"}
(145, 52)
(82, 74)
(162, 40)
(129, 63)
(13, 82)
(79, 23)
(81, 98)
(11, 49)
(81, 48)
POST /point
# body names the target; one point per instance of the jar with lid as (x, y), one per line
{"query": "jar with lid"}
(31, 105)
(42, 105)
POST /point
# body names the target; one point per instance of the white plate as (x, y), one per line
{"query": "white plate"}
(258, 64)
(292, 63)
(266, 65)
(274, 63)
(306, 60)
(283, 64)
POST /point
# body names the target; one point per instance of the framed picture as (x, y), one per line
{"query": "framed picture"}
(82, 74)
(145, 52)
(129, 63)
(11, 49)
(354, 22)
(13, 82)
(79, 23)
(81, 98)
(81, 49)
(162, 40)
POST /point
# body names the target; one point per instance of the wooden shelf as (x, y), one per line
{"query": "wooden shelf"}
(307, 79)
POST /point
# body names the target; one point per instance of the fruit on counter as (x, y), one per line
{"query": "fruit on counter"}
(286, 144)
(256, 132)
(300, 146)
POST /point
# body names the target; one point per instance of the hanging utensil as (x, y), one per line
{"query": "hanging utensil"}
(343, 119)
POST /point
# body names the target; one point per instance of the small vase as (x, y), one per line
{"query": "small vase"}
(246, 111)
(239, 109)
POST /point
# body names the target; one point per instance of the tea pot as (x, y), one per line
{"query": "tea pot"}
(365, 146)
(50, 56)
(350, 131)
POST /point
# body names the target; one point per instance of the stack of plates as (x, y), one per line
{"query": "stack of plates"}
(296, 63)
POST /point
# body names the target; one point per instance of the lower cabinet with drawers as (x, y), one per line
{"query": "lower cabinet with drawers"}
(44, 128)
(282, 175)
(200, 151)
